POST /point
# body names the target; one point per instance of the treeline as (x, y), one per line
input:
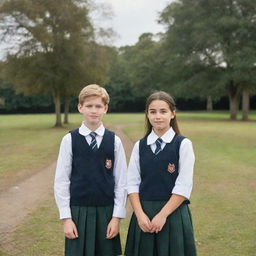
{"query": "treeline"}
(12, 103)
(206, 56)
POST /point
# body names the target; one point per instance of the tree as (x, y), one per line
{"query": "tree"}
(141, 64)
(211, 44)
(58, 47)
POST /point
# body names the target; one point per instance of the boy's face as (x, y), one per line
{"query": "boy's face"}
(93, 110)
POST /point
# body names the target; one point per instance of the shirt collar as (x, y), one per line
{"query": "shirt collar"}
(85, 131)
(167, 137)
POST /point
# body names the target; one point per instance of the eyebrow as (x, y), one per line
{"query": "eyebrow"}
(155, 109)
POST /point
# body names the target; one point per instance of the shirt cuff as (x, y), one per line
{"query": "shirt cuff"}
(65, 213)
(182, 190)
(119, 212)
(132, 189)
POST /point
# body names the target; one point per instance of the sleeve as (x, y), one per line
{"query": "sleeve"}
(184, 182)
(62, 177)
(120, 175)
(133, 175)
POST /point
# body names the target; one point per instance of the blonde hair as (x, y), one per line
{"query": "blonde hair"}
(93, 90)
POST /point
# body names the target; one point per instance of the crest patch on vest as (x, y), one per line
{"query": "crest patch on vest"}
(171, 168)
(108, 163)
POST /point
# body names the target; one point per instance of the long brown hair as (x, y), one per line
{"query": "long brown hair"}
(161, 95)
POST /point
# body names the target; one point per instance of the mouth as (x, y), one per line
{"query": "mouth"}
(158, 122)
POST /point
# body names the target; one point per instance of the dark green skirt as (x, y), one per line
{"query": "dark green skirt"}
(91, 223)
(175, 239)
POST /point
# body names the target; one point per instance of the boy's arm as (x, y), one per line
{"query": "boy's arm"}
(69, 228)
(120, 175)
(62, 177)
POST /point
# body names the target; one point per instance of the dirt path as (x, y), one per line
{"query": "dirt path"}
(18, 201)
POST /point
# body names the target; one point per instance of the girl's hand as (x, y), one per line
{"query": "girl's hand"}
(158, 222)
(144, 222)
(69, 228)
(113, 228)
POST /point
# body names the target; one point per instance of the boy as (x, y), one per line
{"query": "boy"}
(90, 181)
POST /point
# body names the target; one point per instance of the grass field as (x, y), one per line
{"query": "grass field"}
(223, 199)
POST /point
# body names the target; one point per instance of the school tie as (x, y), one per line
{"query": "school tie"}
(93, 144)
(158, 145)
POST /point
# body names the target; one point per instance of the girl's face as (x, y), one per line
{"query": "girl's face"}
(160, 115)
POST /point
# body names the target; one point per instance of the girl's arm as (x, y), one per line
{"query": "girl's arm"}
(133, 184)
(159, 220)
(183, 185)
(142, 218)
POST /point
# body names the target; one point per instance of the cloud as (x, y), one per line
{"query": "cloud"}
(132, 18)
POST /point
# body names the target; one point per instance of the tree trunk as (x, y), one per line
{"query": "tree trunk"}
(66, 109)
(56, 98)
(233, 95)
(245, 104)
(209, 106)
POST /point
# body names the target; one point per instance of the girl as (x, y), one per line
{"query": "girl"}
(159, 184)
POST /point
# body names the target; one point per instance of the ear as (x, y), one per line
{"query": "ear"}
(106, 109)
(79, 107)
(173, 113)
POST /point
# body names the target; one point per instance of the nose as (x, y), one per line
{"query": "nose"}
(94, 109)
(158, 115)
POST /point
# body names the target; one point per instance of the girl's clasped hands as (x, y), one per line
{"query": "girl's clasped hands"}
(153, 226)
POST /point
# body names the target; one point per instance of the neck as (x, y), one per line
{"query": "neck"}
(92, 127)
(161, 132)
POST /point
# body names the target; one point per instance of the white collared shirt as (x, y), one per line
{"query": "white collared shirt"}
(184, 182)
(64, 167)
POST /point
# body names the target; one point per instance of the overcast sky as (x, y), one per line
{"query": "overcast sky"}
(130, 19)
(134, 17)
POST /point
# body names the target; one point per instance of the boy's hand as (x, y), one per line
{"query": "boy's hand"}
(144, 222)
(158, 222)
(113, 228)
(69, 228)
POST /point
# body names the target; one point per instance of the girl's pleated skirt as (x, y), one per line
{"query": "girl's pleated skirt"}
(175, 239)
(91, 223)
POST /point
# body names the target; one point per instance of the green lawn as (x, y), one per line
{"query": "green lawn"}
(223, 199)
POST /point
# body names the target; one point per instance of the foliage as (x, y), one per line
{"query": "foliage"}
(58, 53)
(209, 47)
(13, 102)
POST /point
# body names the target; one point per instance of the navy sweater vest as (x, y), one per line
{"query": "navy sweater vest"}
(159, 172)
(92, 180)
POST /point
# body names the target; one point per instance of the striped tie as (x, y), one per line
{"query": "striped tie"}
(93, 144)
(158, 145)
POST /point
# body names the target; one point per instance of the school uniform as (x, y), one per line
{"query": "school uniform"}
(90, 188)
(156, 177)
